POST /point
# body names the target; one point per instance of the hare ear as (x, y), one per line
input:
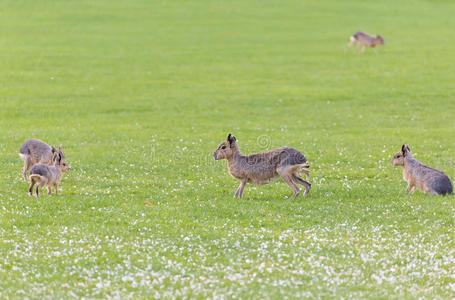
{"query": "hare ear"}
(53, 149)
(60, 148)
(231, 139)
(405, 149)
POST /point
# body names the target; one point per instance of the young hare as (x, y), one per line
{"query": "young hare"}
(263, 168)
(419, 176)
(49, 175)
(365, 40)
(35, 151)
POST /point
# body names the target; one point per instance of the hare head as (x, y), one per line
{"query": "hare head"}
(58, 159)
(398, 158)
(226, 149)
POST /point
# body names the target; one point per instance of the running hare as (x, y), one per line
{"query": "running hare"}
(365, 40)
(263, 168)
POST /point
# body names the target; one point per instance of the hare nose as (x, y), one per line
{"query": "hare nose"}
(214, 155)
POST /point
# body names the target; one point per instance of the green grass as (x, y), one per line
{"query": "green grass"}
(140, 93)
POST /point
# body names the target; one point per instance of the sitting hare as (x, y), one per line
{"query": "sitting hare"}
(419, 176)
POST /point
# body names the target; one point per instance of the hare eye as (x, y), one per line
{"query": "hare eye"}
(224, 147)
(398, 156)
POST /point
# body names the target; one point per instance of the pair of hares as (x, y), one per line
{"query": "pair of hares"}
(47, 164)
(288, 163)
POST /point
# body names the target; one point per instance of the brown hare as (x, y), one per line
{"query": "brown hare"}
(263, 168)
(365, 40)
(50, 175)
(419, 176)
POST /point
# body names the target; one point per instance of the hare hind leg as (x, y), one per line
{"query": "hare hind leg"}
(306, 172)
(286, 174)
(305, 184)
(27, 165)
(40, 185)
(30, 188)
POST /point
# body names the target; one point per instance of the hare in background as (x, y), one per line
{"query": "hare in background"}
(363, 40)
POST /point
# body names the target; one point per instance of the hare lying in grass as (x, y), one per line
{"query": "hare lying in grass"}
(263, 168)
(365, 40)
(419, 176)
(49, 175)
(35, 151)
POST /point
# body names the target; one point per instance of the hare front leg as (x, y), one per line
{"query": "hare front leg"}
(410, 189)
(239, 192)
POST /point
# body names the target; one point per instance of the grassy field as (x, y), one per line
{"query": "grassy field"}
(140, 93)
